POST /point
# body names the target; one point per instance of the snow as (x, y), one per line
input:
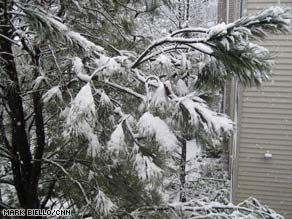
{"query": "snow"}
(117, 143)
(78, 68)
(71, 35)
(152, 126)
(83, 42)
(214, 123)
(105, 100)
(145, 168)
(53, 92)
(217, 30)
(103, 203)
(193, 149)
(163, 60)
(37, 82)
(81, 117)
(110, 65)
(181, 88)
(203, 48)
(159, 98)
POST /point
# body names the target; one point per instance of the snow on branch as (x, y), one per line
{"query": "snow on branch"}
(51, 93)
(81, 118)
(199, 114)
(104, 204)
(228, 43)
(55, 27)
(117, 143)
(150, 126)
(200, 209)
(146, 169)
(275, 19)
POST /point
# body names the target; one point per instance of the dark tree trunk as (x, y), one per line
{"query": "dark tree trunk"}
(26, 171)
(183, 161)
(40, 133)
(21, 156)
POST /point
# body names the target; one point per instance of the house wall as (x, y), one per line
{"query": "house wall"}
(265, 124)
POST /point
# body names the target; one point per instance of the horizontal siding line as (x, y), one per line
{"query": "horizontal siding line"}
(267, 95)
(267, 190)
(257, 181)
(287, 112)
(275, 149)
(268, 105)
(267, 198)
(272, 197)
(279, 186)
(260, 162)
(273, 85)
(279, 132)
(267, 2)
(263, 100)
(266, 142)
(268, 90)
(266, 116)
(254, 169)
(266, 175)
(273, 169)
(264, 126)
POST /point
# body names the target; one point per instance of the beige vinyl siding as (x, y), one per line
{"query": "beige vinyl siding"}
(265, 124)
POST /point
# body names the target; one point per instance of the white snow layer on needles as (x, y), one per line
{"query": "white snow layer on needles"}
(218, 30)
(103, 203)
(117, 140)
(153, 126)
(159, 98)
(37, 82)
(78, 68)
(146, 169)
(181, 88)
(53, 92)
(81, 117)
(212, 121)
(71, 35)
(111, 66)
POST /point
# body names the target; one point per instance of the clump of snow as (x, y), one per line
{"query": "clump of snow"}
(53, 92)
(103, 203)
(37, 82)
(81, 118)
(164, 61)
(159, 99)
(78, 68)
(217, 30)
(203, 48)
(117, 143)
(213, 122)
(105, 100)
(83, 42)
(146, 169)
(181, 88)
(152, 126)
(111, 66)
(69, 34)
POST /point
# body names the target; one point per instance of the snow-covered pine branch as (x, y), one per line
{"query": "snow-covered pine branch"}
(195, 113)
(228, 51)
(55, 28)
(80, 119)
(150, 126)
